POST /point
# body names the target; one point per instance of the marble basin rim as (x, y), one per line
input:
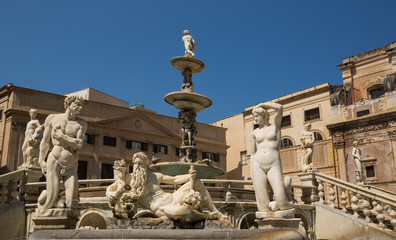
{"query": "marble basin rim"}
(183, 63)
(188, 101)
(179, 168)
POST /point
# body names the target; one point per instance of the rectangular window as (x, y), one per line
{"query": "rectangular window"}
(244, 159)
(211, 156)
(82, 169)
(362, 113)
(311, 114)
(370, 172)
(107, 171)
(162, 149)
(109, 141)
(286, 121)
(1, 114)
(135, 145)
(89, 139)
(177, 152)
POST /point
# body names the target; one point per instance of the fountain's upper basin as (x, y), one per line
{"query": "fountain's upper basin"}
(179, 168)
(183, 63)
(188, 101)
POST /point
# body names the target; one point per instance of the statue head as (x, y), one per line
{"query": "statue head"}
(140, 158)
(307, 127)
(186, 32)
(33, 113)
(355, 143)
(74, 103)
(260, 115)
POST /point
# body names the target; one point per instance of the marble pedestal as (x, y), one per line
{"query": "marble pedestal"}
(282, 219)
(309, 187)
(55, 218)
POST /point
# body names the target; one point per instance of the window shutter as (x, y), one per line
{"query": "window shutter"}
(155, 148)
(216, 157)
(144, 146)
(166, 149)
(129, 144)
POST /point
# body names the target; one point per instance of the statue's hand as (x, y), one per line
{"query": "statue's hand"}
(57, 134)
(193, 173)
(43, 165)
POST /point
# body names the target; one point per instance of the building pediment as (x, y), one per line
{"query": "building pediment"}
(136, 122)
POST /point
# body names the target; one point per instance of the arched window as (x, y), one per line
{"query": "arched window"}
(376, 91)
(286, 142)
(318, 136)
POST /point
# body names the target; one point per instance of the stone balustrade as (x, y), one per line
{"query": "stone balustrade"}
(14, 188)
(371, 204)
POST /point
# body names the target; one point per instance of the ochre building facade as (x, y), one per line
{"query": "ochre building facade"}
(114, 131)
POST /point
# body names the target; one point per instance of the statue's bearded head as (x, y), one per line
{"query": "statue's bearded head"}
(139, 175)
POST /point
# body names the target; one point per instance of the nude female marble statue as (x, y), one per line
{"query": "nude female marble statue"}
(66, 132)
(266, 165)
(356, 153)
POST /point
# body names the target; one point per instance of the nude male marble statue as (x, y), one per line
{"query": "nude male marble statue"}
(307, 139)
(266, 165)
(32, 139)
(66, 132)
(188, 43)
(184, 204)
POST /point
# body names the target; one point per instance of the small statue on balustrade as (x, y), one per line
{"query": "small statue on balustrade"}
(307, 139)
(30, 146)
(356, 153)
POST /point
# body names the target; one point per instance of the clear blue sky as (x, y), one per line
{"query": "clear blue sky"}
(254, 51)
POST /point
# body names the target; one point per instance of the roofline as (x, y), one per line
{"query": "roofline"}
(296, 94)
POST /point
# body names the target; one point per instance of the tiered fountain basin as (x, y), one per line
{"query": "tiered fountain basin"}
(183, 63)
(188, 101)
(178, 168)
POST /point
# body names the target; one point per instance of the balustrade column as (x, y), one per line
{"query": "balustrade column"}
(331, 195)
(343, 201)
(14, 192)
(321, 191)
(366, 210)
(3, 193)
(392, 214)
(354, 205)
(380, 217)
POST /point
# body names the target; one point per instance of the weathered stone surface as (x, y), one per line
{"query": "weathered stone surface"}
(160, 223)
(263, 234)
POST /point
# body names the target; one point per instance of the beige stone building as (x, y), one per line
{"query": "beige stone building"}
(364, 109)
(311, 105)
(114, 131)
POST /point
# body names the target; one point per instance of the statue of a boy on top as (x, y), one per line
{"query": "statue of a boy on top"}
(189, 44)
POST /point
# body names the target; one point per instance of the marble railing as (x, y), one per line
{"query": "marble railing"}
(9, 183)
(14, 186)
(362, 201)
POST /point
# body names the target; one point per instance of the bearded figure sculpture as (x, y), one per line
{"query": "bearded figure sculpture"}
(124, 193)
